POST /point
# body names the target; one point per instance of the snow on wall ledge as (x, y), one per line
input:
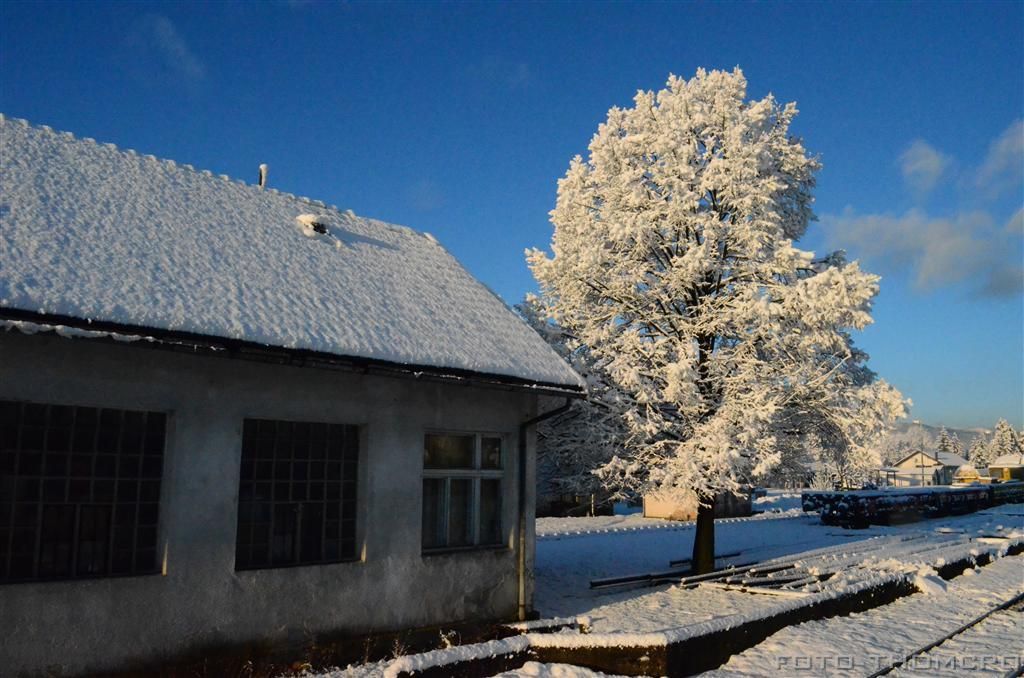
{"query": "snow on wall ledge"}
(92, 232)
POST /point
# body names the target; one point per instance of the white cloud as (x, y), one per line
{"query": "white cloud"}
(1003, 167)
(971, 248)
(968, 248)
(1015, 224)
(923, 166)
(157, 39)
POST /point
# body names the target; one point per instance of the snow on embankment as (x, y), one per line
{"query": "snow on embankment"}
(864, 643)
(452, 656)
(557, 528)
(995, 646)
(538, 670)
(706, 644)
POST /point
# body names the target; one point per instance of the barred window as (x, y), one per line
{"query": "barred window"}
(462, 475)
(79, 491)
(297, 494)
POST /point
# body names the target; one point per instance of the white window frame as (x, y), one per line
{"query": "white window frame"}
(476, 475)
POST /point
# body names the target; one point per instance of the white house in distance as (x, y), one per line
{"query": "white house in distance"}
(924, 468)
(233, 415)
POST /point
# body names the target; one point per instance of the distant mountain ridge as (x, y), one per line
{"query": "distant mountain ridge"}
(966, 435)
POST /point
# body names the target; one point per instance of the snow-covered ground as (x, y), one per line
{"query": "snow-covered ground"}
(782, 505)
(566, 565)
(778, 500)
(627, 519)
(538, 670)
(572, 551)
(559, 527)
(993, 646)
(863, 643)
(567, 562)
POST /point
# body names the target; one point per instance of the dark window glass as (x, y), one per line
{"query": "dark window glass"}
(461, 491)
(448, 451)
(433, 513)
(70, 491)
(490, 453)
(490, 511)
(460, 512)
(296, 500)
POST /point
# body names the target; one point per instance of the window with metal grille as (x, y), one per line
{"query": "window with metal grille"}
(461, 491)
(297, 494)
(79, 491)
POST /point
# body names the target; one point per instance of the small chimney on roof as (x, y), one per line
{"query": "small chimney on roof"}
(263, 175)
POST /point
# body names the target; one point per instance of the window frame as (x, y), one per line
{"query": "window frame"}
(476, 476)
(351, 433)
(136, 516)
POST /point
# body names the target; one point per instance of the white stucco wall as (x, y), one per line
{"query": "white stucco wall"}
(201, 601)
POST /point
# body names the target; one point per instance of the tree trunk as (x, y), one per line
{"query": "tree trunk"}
(704, 540)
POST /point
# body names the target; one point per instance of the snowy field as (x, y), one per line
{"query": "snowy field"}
(571, 552)
(566, 564)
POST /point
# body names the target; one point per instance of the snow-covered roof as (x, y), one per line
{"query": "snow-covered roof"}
(91, 232)
(943, 458)
(1008, 460)
(950, 459)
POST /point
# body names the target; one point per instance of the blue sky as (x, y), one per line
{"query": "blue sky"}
(458, 119)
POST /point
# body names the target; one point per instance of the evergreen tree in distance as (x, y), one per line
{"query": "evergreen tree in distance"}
(1004, 441)
(949, 443)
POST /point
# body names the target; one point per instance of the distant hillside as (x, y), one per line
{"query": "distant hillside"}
(966, 436)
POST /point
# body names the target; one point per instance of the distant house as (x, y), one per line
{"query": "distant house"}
(1007, 467)
(924, 468)
(231, 415)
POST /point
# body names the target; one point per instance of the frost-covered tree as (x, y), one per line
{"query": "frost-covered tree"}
(979, 455)
(842, 455)
(949, 442)
(573, 445)
(897, 444)
(956, 446)
(673, 262)
(1004, 441)
(894, 450)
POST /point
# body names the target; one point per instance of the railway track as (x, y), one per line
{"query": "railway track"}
(967, 625)
(951, 654)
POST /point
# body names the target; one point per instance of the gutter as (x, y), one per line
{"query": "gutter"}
(192, 342)
(521, 556)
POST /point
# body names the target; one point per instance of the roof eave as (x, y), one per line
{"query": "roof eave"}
(249, 350)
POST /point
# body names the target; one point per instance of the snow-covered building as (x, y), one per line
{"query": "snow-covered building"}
(233, 415)
(1007, 467)
(925, 468)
